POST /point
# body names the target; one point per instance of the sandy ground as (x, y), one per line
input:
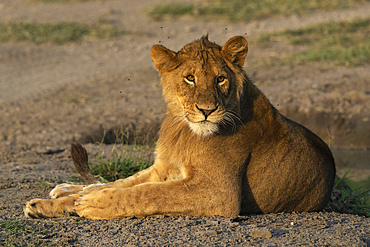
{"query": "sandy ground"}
(51, 95)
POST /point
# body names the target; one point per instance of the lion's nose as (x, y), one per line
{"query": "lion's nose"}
(206, 112)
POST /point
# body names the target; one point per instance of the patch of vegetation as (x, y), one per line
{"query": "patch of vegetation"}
(348, 200)
(118, 166)
(364, 184)
(58, 33)
(240, 10)
(343, 43)
(59, 1)
(11, 230)
(361, 187)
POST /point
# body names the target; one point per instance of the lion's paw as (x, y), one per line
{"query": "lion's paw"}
(50, 208)
(98, 205)
(39, 208)
(33, 210)
(65, 189)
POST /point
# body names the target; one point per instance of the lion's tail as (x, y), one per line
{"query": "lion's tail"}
(80, 160)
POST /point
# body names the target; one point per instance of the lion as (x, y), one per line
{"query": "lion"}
(223, 149)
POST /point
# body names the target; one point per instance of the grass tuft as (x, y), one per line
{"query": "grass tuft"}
(240, 10)
(59, 1)
(175, 9)
(118, 168)
(347, 200)
(58, 33)
(343, 43)
(10, 230)
(120, 164)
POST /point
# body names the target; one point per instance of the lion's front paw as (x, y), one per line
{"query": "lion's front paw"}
(39, 208)
(103, 204)
(65, 189)
(50, 208)
(32, 210)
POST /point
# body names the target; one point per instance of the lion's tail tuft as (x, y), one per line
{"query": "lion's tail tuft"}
(80, 160)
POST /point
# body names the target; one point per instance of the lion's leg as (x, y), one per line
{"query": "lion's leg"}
(64, 195)
(51, 208)
(80, 160)
(165, 198)
(147, 175)
(65, 189)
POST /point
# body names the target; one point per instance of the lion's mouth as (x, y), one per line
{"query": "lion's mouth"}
(212, 119)
(204, 127)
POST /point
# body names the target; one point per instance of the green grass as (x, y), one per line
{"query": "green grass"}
(240, 10)
(357, 184)
(59, 1)
(58, 33)
(121, 164)
(118, 168)
(10, 230)
(351, 196)
(361, 188)
(343, 43)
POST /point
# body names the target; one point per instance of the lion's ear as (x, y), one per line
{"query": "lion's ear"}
(163, 58)
(235, 50)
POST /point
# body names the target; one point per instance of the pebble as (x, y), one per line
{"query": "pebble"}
(209, 233)
(263, 234)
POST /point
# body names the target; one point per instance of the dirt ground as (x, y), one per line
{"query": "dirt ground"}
(51, 95)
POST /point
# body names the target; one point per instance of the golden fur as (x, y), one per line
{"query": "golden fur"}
(223, 149)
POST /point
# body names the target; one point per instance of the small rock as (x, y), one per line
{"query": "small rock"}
(234, 224)
(264, 234)
(209, 233)
(213, 222)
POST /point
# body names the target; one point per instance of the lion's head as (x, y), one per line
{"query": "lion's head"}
(202, 83)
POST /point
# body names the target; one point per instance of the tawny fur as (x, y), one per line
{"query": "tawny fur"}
(223, 150)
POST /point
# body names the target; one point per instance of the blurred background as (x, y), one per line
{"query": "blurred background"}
(80, 70)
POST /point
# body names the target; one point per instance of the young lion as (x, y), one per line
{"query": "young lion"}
(223, 150)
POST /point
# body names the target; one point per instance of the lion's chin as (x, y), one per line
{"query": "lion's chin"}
(204, 128)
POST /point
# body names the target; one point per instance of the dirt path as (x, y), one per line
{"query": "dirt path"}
(51, 95)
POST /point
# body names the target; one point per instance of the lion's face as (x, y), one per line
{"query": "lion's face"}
(200, 83)
(203, 92)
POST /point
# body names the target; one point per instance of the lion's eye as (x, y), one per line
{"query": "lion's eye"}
(221, 80)
(190, 79)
